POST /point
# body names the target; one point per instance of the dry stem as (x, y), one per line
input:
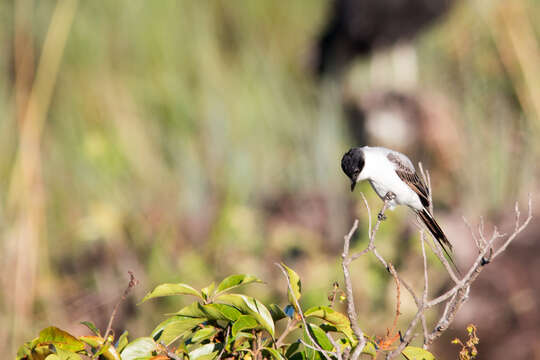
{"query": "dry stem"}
(132, 283)
(453, 298)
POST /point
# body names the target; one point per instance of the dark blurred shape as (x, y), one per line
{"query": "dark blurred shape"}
(307, 211)
(420, 124)
(356, 27)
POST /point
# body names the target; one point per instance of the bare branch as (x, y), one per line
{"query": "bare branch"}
(454, 298)
(473, 235)
(224, 344)
(517, 228)
(426, 279)
(336, 345)
(368, 211)
(436, 248)
(290, 326)
(426, 285)
(326, 354)
(398, 295)
(132, 283)
(351, 311)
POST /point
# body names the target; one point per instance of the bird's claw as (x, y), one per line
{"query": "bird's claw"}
(389, 196)
(381, 216)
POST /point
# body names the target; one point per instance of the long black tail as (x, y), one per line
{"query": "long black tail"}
(438, 234)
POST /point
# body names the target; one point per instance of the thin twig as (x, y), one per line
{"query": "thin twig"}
(301, 313)
(336, 345)
(473, 235)
(327, 354)
(132, 283)
(398, 296)
(436, 248)
(351, 311)
(368, 211)
(173, 356)
(454, 298)
(426, 278)
(224, 343)
(426, 286)
(290, 327)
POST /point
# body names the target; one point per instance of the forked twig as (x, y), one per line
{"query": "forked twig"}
(453, 298)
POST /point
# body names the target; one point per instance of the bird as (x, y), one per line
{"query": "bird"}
(393, 177)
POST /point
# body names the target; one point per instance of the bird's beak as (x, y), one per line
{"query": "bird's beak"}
(353, 184)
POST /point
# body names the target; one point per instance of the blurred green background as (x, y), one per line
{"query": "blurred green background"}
(189, 140)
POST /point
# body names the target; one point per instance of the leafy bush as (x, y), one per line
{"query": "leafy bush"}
(220, 324)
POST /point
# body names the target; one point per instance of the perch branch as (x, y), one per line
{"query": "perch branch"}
(453, 298)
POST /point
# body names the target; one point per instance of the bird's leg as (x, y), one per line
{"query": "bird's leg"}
(388, 197)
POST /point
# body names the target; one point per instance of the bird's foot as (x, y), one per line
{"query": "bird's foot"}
(389, 196)
(381, 216)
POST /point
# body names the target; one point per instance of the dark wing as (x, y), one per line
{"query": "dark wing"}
(407, 174)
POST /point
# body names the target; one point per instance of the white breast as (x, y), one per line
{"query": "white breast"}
(383, 178)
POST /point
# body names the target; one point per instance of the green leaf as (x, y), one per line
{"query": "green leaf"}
(229, 312)
(93, 341)
(292, 349)
(320, 336)
(251, 306)
(210, 311)
(273, 353)
(300, 355)
(370, 349)
(60, 339)
(122, 341)
(242, 334)
(193, 310)
(244, 322)
(25, 350)
(63, 355)
(276, 312)
(207, 291)
(138, 348)
(205, 352)
(337, 319)
(417, 353)
(175, 327)
(90, 325)
(296, 285)
(235, 281)
(170, 290)
(203, 334)
(108, 352)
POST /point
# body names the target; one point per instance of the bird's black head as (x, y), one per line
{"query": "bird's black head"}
(352, 164)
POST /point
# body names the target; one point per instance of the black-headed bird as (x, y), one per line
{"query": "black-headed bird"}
(393, 177)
